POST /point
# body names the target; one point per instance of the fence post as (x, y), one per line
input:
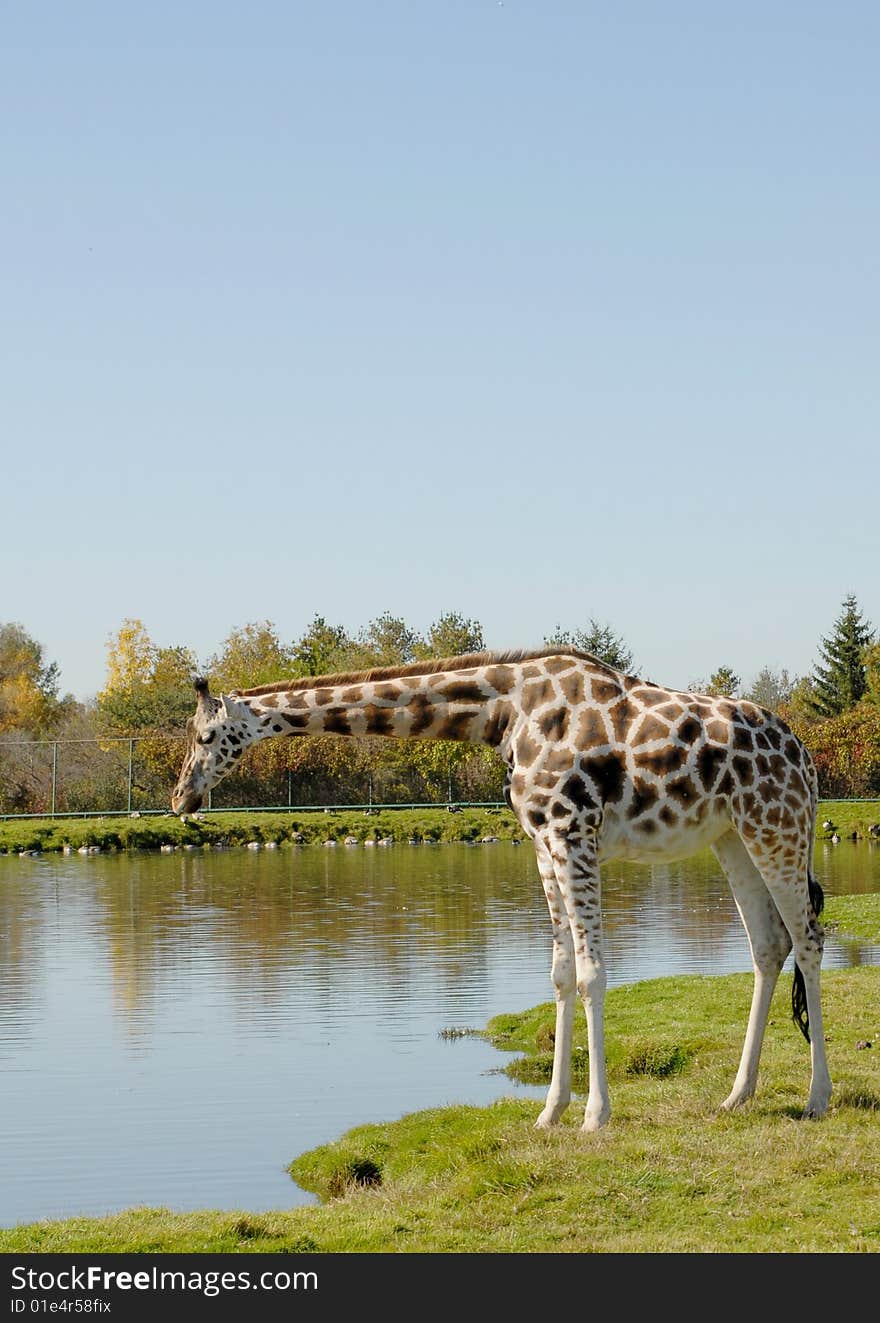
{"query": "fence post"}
(289, 787)
(54, 773)
(130, 767)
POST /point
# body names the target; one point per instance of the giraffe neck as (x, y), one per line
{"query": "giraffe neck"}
(447, 705)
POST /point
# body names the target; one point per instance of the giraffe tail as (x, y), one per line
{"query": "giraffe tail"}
(799, 1012)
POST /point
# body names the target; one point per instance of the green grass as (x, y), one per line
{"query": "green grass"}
(851, 819)
(669, 1173)
(238, 828)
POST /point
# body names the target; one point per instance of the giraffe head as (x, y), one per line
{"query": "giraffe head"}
(216, 737)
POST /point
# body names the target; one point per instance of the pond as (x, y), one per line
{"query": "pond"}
(174, 1029)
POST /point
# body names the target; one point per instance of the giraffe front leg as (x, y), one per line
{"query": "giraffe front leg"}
(563, 976)
(577, 875)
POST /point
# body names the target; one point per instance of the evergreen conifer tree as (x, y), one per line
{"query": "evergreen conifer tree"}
(841, 682)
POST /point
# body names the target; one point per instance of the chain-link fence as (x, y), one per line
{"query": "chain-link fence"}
(79, 777)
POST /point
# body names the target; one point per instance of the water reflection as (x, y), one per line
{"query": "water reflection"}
(173, 1029)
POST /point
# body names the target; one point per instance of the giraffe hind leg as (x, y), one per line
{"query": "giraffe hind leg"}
(790, 886)
(769, 943)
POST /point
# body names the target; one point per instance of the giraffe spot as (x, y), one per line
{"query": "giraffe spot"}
(667, 815)
(604, 690)
(767, 791)
(354, 693)
(622, 714)
(762, 766)
(536, 694)
(671, 710)
(726, 709)
(608, 774)
(650, 728)
(774, 736)
(725, 785)
(536, 817)
(423, 713)
(683, 791)
(322, 697)
(592, 730)
(336, 721)
(743, 740)
(527, 750)
(558, 760)
(650, 695)
(296, 720)
(531, 672)
(744, 770)
(645, 796)
(753, 715)
(647, 825)
(576, 790)
(496, 725)
(774, 816)
(709, 763)
(555, 665)
(797, 784)
(554, 724)
(464, 691)
(761, 740)
(662, 761)
(269, 700)
(456, 725)
(572, 686)
(689, 730)
(717, 731)
(380, 720)
(501, 678)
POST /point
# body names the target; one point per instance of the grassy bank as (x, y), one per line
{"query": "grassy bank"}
(668, 1174)
(851, 820)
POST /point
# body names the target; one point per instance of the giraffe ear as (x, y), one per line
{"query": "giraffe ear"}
(233, 710)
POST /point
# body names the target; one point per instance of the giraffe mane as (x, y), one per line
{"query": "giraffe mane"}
(430, 666)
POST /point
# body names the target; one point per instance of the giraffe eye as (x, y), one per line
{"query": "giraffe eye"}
(206, 739)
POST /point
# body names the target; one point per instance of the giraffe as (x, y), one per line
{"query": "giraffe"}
(602, 765)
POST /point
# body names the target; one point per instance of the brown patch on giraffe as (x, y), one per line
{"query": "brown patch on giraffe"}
(592, 731)
(744, 769)
(296, 720)
(578, 792)
(536, 817)
(622, 714)
(650, 695)
(683, 791)
(423, 713)
(717, 731)
(797, 784)
(531, 672)
(456, 725)
(671, 710)
(545, 780)
(555, 665)
(323, 696)
(753, 715)
(380, 720)
(608, 774)
(726, 709)
(774, 816)
(536, 694)
(761, 740)
(725, 785)
(762, 766)
(355, 692)
(464, 691)
(335, 721)
(501, 678)
(766, 791)
(603, 691)
(527, 749)
(646, 825)
(572, 686)
(774, 736)
(496, 725)
(689, 730)
(667, 815)
(743, 740)
(271, 700)
(662, 761)
(558, 760)
(554, 724)
(649, 728)
(644, 798)
(710, 760)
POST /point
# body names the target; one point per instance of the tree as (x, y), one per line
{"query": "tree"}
(323, 649)
(29, 700)
(148, 688)
(251, 655)
(841, 682)
(871, 659)
(451, 635)
(388, 641)
(723, 683)
(771, 689)
(599, 640)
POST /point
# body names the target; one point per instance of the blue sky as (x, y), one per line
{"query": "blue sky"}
(533, 311)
